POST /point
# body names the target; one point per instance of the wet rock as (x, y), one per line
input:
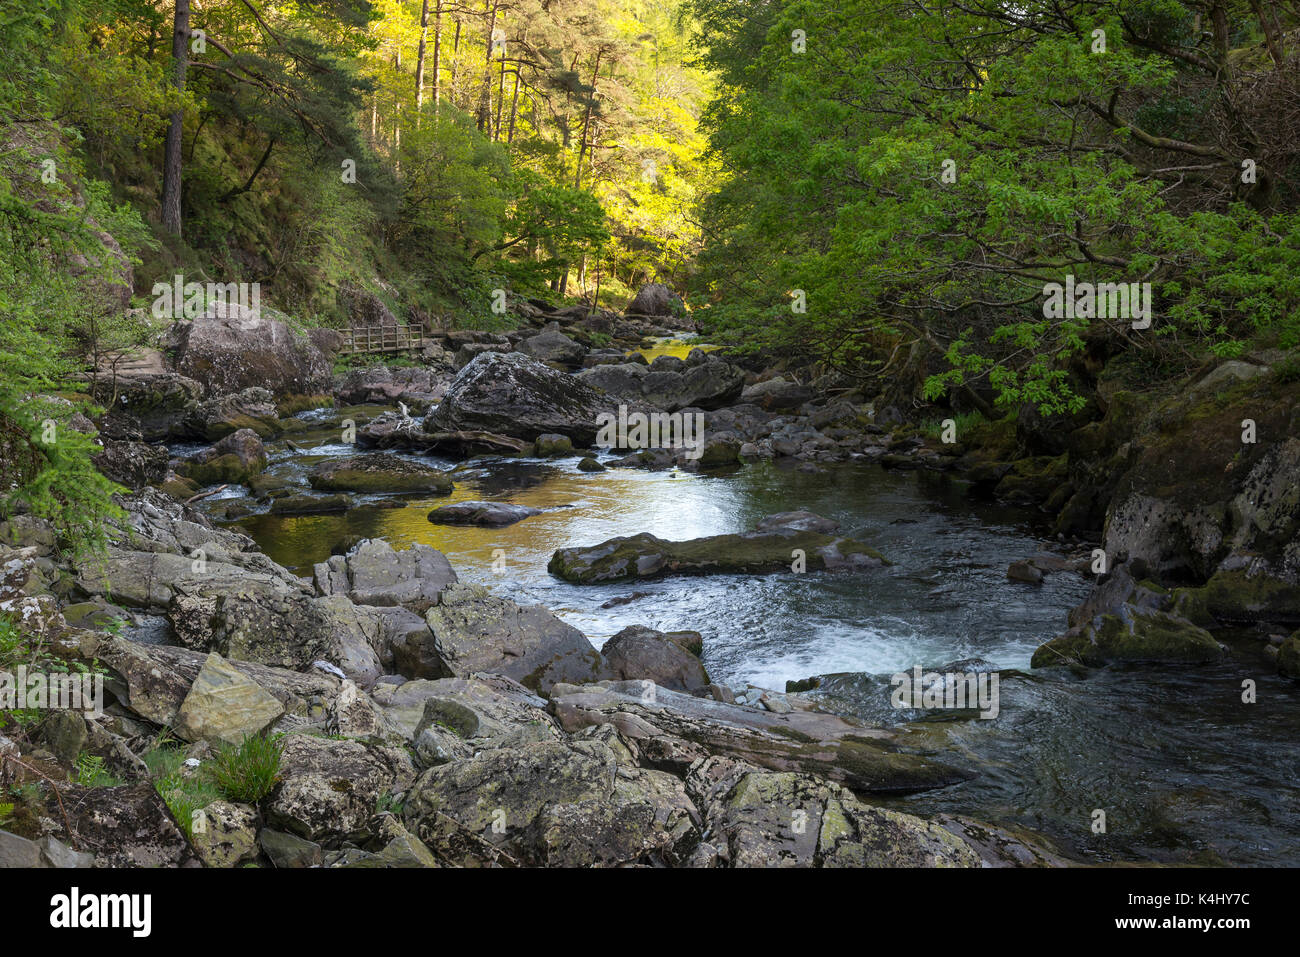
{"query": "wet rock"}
(589, 464)
(473, 631)
(374, 573)
(799, 521)
(552, 446)
(311, 505)
(233, 460)
(640, 652)
(517, 396)
(1024, 572)
(379, 472)
(776, 548)
(760, 818)
(490, 514)
(1288, 657)
(1130, 636)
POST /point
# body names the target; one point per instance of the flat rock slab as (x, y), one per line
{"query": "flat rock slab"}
(490, 514)
(379, 472)
(810, 742)
(224, 705)
(774, 548)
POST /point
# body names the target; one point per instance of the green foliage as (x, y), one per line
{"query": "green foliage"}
(90, 772)
(250, 771)
(836, 159)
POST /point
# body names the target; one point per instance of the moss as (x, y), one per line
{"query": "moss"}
(1233, 596)
(292, 405)
(1137, 637)
(1288, 657)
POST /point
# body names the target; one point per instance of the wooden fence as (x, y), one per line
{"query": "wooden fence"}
(382, 338)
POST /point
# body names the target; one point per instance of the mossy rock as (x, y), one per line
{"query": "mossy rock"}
(379, 472)
(1155, 636)
(310, 504)
(646, 556)
(293, 404)
(1233, 596)
(1288, 657)
(226, 469)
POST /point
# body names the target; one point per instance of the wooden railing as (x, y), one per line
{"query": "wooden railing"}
(382, 338)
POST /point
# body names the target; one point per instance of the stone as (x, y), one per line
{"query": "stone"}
(225, 706)
(379, 472)
(640, 652)
(489, 514)
(473, 631)
(514, 395)
(374, 573)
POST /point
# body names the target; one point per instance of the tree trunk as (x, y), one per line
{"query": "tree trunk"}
(586, 121)
(171, 198)
(514, 107)
(485, 92)
(419, 61)
(437, 49)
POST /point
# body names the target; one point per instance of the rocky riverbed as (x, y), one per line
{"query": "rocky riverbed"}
(487, 641)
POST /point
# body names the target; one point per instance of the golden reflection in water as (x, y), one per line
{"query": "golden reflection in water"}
(677, 348)
(579, 508)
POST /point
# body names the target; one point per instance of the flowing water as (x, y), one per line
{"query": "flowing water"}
(1182, 768)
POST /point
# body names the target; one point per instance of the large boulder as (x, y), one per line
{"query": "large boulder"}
(235, 459)
(552, 346)
(640, 652)
(559, 804)
(512, 394)
(656, 301)
(262, 620)
(679, 729)
(329, 790)
(774, 547)
(374, 573)
(758, 818)
(670, 384)
(230, 348)
(379, 472)
(1198, 494)
(224, 705)
(488, 514)
(471, 630)
(252, 408)
(132, 464)
(123, 826)
(153, 407)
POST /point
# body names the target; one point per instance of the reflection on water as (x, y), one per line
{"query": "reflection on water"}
(1183, 770)
(679, 347)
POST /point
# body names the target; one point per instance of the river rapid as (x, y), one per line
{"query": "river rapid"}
(1184, 771)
